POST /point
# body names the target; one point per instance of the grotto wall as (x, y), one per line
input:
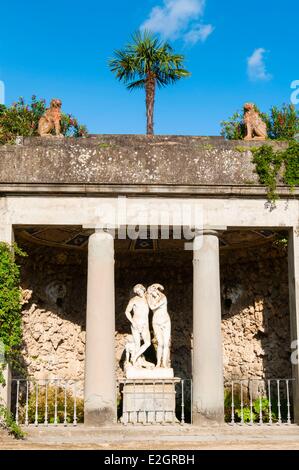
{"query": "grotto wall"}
(255, 314)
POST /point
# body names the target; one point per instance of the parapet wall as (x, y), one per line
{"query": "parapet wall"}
(129, 160)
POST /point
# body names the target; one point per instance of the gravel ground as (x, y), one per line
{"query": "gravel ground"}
(155, 445)
(133, 439)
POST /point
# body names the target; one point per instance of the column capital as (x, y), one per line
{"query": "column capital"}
(215, 230)
(100, 233)
(96, 228)
(207, 239)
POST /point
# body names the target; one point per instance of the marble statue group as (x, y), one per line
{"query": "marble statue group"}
(137, 312)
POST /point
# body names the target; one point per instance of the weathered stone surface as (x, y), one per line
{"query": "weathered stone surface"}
(129, 159)
(149, 402)
(134, 373)
(256, 326)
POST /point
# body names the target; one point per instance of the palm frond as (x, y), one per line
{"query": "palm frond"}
(136, 84)
(145, 55)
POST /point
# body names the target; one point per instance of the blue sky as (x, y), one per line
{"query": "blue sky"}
(236, 51)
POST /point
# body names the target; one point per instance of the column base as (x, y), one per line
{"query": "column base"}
(208, 419)
(102, 417)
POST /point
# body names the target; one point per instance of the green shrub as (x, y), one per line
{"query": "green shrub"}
(291, 161)
(51, 393)
(21, 119)
(234, 128)
(283, 123)
(10, 320)
(10, 303)
(269, 162)
(8, 423)
(253, 413)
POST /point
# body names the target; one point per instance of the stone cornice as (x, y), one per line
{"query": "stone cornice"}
(212, 191)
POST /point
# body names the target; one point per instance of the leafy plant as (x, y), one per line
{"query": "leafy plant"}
(252, 413)
(53, 395)
(21, 119)
(8, 423)
(281, 242)
(291, 161)
(260, 411)
(283, 123)
(269, 163)
(247, 414)
(234, 127)
(147, 63)
(10, 302)
(10, 318)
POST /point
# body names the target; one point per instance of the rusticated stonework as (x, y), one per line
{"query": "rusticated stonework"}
(255, 316)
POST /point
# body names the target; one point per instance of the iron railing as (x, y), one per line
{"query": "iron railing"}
(59, 402)
(259, 401)
(47, 402)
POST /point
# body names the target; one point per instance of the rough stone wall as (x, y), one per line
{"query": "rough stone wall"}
(119, 159)
(54, 320)
(255, 323)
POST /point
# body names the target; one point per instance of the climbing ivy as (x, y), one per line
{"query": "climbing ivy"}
(10, 320)
(7, 421)
(291, 161)
(271, 163)
(10, 301)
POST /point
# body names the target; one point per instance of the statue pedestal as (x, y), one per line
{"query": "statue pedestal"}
(149, 401)
(136, 373)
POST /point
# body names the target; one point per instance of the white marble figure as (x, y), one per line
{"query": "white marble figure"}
(130, 353)
(139, 323)
(157, 302)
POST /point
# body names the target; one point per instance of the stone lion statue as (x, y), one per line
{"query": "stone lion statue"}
(256, 127)
(51, 120)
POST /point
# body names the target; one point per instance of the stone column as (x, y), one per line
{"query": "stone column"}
(294, 312)
(208, 392)
(7, 236)
(100, 383)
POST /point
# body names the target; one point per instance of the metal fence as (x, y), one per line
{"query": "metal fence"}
(59, 402)
(47, 402)
(258, 401)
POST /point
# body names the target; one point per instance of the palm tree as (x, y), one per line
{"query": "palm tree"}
(147, 63)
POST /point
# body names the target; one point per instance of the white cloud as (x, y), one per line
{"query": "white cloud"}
(199, 32)
(179, 18)
(256, 67)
